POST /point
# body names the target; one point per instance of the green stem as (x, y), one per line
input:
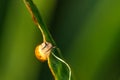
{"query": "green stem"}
(39, 22)
(60, 69)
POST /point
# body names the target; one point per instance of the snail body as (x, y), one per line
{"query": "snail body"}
(43, 50)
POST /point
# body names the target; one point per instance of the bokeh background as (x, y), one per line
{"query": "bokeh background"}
(86, 31)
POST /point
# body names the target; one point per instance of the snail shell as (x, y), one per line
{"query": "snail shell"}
(43, 50)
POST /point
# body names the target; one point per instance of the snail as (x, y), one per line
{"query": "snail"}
(43, 50)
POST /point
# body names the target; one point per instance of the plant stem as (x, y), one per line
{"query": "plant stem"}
(39, 22)
(59, 68)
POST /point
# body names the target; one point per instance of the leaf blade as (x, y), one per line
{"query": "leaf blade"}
(59, 68)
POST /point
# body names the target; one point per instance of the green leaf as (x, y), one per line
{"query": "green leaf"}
(59, 68)
(38, 21)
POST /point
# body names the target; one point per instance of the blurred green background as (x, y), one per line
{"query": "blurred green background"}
(86, 31)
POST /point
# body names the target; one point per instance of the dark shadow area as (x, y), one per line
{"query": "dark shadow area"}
(45, 73)
(4, 5)
(68, 20)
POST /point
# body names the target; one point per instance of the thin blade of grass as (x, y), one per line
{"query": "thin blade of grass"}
(59, 68)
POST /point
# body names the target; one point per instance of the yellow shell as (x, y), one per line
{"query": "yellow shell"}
(43, 50)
